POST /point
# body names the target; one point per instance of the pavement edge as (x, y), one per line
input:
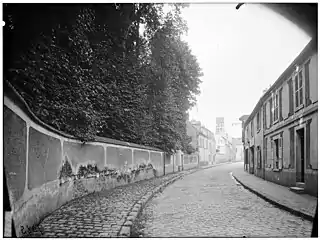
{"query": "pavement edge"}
(276, 203)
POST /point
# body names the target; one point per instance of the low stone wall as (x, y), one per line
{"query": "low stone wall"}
(46, 169)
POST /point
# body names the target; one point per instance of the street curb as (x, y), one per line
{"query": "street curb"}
(274, 202)
(125, 230)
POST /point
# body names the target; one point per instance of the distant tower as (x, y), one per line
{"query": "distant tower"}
(220, 125)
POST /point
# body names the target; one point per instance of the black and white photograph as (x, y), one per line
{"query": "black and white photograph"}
(160, 119)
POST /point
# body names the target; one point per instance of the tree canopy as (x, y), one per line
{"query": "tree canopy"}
(112, 70)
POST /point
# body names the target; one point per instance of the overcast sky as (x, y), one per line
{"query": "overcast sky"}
(241, 53)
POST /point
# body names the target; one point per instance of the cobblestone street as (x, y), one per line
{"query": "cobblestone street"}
(209, 203)
(96, 215)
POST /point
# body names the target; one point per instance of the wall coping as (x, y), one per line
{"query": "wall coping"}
(11, 93)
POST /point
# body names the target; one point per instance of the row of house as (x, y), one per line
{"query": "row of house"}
(203, 141)
(214, 148)
(226, 145)
(280, 136)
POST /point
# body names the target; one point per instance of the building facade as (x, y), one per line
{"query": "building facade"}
(225, 150)
(280, 136)
(238, 148)
(243, 119)
(204, 142)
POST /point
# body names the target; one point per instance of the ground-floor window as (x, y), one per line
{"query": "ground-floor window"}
(258, 157)
(276, 144)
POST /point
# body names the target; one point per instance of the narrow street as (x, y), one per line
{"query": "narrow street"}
(209, 203)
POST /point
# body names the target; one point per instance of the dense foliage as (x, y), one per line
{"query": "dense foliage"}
(113, 70)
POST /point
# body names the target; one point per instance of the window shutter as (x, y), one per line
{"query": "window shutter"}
(280, 105)
(264, 116)
(292, 146)
(290, 97)
(280, 153)
(307, 83)
(271, 107)
(272, 152)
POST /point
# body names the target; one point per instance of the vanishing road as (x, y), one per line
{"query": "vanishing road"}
(209, 203)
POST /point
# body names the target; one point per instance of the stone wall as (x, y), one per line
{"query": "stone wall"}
(45, 169)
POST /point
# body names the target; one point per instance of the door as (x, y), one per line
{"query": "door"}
(300, 169)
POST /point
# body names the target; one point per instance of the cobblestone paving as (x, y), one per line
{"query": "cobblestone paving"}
(210, 204)
(96, 215)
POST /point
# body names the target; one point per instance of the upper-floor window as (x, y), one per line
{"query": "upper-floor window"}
(258, 121)
(252, 129)
(298, 89)
(275, 107)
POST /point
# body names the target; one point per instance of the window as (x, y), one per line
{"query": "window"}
(258, 121)
(275, 107)
(298, 89)
(251, 128)
(277, 153)
(259, 157)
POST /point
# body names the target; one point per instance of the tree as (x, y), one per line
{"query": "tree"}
(93, 73)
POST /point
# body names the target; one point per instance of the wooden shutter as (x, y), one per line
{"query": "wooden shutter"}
(292, 146)
(308, 144)
(264, 116)
(280, 105)
(280, 153)
(307, 83)
(290, 97)
(271, 107)
(272, 153)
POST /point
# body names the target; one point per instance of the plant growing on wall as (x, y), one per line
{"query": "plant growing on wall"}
(82, 171)
(66, 170)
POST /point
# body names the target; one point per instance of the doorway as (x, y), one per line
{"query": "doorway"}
(300, 155)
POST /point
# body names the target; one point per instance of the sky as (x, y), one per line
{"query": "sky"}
(241, 52)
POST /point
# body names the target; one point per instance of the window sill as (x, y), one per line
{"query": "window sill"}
(258, 130)
(276, 170)
(298, 108)
(275, 122)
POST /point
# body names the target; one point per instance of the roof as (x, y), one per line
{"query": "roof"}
(244, 117)
(305, 53)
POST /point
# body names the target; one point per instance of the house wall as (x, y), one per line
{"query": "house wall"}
(289, 121)
(314, 77)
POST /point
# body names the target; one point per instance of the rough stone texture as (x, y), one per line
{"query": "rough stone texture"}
(215, 206)
(14, 152)
(305, 204)
(103, 212)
